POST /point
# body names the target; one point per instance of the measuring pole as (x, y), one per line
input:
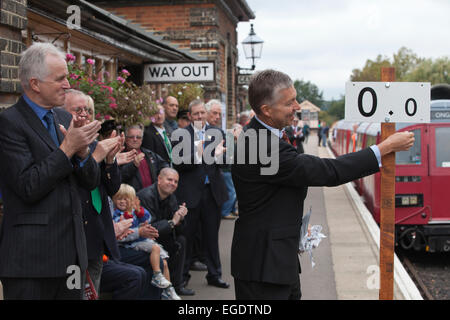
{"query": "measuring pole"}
(387, 219)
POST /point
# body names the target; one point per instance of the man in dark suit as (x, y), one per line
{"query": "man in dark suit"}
(264, 261)
(156, 137)
(295, 135)
(170, 105)
(202, 188)
(144, 170)
(44, 160)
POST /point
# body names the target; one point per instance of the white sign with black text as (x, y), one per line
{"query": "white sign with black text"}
(387, 102)
(169, 72)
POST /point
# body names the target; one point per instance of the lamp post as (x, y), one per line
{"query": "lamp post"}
(252, 47)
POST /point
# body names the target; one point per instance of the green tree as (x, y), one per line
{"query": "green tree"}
(308, 91)
(371, 70)
(437, 71)
(405, 61)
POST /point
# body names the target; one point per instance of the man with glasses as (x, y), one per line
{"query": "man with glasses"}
(144, 170)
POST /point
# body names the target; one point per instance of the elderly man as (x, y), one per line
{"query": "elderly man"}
(213, 118)
(214, 112)
(156, 138)
(168, 218)
(170, 105)
(264, 260)
(210, 193)
(144, 170)
(44, 160)
(98, 225)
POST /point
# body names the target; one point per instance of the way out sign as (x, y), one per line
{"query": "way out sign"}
(169, 72)
(387, 102)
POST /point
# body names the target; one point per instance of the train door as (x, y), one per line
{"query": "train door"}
(412, 187)
(440, 171)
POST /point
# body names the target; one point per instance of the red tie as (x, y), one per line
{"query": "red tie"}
(285, 137)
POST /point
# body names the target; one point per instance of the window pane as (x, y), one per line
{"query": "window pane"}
(442, 147)
(413, 155)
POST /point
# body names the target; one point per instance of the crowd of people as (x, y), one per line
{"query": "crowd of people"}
(78, 192)
(116, 205)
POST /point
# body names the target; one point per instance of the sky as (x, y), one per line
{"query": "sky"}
(322, 41)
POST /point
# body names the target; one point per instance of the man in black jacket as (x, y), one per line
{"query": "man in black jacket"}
(168, 218)
(264, 260)
(156, 137)
(201, 187)
(144, 170)
(44, 160)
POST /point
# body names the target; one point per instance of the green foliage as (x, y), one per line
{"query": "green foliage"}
(408, 67)
(185, 93)
(371, 70)
(118, 99)
(308, 91)
(437, 71)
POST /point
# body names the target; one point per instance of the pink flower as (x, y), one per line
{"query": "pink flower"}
(113, 105)
(107, 117)
(74, 76)
(98, 116)
(70, 57)
(90, 61)
(125, 71)
(121, 79)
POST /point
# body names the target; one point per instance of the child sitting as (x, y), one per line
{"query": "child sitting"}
(127, 206)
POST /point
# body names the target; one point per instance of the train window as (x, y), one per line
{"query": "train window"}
(443, 147)
(413, 155)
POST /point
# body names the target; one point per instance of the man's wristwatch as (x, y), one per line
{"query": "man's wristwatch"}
(171, 224)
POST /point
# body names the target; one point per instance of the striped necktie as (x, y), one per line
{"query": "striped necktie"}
(168, 145)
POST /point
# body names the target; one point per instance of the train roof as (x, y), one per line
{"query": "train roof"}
(440, 92)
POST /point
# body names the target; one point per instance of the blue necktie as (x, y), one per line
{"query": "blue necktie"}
(51, 127)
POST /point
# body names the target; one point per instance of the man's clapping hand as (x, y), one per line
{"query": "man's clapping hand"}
(78, 137)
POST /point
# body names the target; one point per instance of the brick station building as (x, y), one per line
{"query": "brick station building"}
(206, 28)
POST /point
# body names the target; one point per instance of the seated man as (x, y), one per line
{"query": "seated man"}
(168, 219)
(143, 171)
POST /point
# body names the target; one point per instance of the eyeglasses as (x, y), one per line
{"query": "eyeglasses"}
(134, 137)
(79, 110)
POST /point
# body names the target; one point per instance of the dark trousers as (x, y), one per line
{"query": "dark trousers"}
(207, 217)
(125, 281)
(142, 259)
(39, 289)
(252, 290)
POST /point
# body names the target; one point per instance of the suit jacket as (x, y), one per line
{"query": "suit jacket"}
(99, 229)
(192, 176)
(131, 175)
(42, 230)
(298, 140)
(153, 141)
(266, 235)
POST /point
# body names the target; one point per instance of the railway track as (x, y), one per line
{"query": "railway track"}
(429, 271)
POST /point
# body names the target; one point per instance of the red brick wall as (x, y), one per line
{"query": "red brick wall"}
(204, 29)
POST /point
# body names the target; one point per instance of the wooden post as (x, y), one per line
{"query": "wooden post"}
(387, 219)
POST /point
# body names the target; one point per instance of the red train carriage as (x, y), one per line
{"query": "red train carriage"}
(422, 189)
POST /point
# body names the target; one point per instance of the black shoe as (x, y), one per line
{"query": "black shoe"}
(198, 266)
(219, 283)
(183, 291)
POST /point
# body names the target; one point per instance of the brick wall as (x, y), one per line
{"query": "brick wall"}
(13, 18)
(203, 28)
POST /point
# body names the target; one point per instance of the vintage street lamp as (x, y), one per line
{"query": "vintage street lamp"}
(252, 47)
